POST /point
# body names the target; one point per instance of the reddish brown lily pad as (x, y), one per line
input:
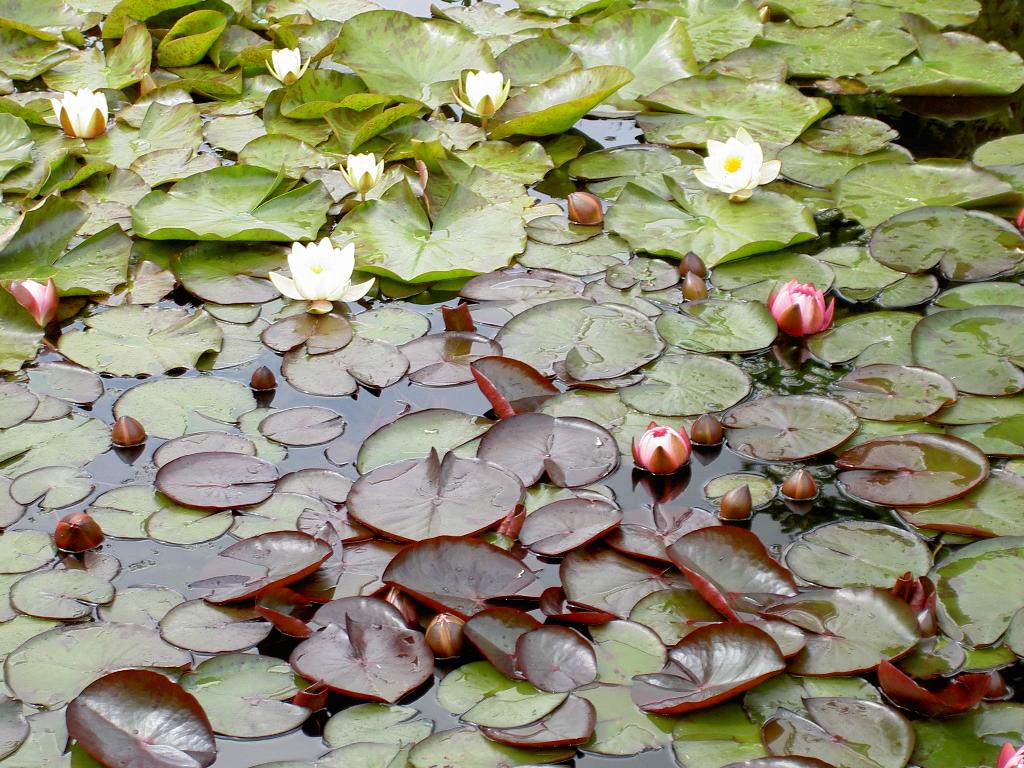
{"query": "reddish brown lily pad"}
(140, 718)
(912, 470)
(217, 480)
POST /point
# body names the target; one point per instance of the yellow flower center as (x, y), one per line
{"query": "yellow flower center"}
(316, 269)
(733, 164)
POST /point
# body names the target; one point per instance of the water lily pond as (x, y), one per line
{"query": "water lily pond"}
(479, 385)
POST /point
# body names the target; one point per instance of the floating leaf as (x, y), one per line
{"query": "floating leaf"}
(561, 526)
(978, 348)
(603, 579)
(217, 480)
(415, 434)
(708, 223)
(840, 637)
(231, 203)
(138, 715)
(994, 508)
(786, 428)
(857, 553)
(911, 470)
(979, 590)
(556, 659)
(894, 392)
(847, 49)
(708, 666)
(457, 575)
(132, 340)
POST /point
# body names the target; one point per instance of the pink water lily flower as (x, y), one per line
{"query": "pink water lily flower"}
(1020, 220)
(40, 299)
(799, 309)
(1009, 757)
(661, 450)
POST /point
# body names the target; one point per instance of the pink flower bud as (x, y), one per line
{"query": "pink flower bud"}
(1010, 758)
(799, 309)
(40, 299)
(1020, 226)
(661, 450)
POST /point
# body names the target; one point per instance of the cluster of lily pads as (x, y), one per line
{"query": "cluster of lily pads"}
(387, 489)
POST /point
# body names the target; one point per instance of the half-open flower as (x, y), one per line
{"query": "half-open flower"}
(40, 299)
(736, 167)
(661, 450)
(1010, 757)
(82, 115)
(799, 309)
(362, 172)
(482, 93)
(286, 65)
(321, 275)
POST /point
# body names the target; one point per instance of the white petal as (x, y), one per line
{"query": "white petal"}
(357, 291)
(285, 285)
(770, 171)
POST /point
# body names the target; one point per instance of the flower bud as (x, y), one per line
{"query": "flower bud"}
(661, 450)
(706, 430)
(800, 486)
(737, 504)
(40, 299)
(1020, 220)
(444, 635)
(799, 309)
(694, 288)
(764, 14)
(77, 532)
(997, 688)
(127, 432)
(585, 208)
(693, 263)
(263, 379)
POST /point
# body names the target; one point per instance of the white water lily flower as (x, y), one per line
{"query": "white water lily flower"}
(82, 115)
(362, 172)
(736, 166)
(321, 274)
(482, 93)
(286, 65)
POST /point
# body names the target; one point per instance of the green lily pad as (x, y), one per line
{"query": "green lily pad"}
(594, 341)
(131, 340)
(716, 737)
(964, 245)
(981, 294)
(979, 349)
(414, 435)
(857, 553)
(170, 408)
(877, 337)
(191, 37)
(677, 385)
(622, 729)
(847, 49)
(123, 65)
(980, 587)
(823, 169)
(24, 551)
(15, 144)
(708, 223)
(396, 53)
(468, 748)
(894, 392)
(762, 489)
(994, 508)
(951, 63)
(52, 668)
(74, 440)
(858, 277)
(528, 163)
(232, 203)
(716, 107)
(651, 44)
(719, 326)
(754, 277)
(716, 27)
(556, 104)
(789, 692)
(395, 237)
(971, 739)
(788, 427)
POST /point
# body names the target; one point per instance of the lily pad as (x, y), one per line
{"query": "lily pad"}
(715, 107)
(556, 528)
(978, 589)
(708, 666)
(994, 508)
(894, 392)
(232, 203)
(840, 638)
(677, 385)
(217, 480)
(786, 428)
(595, 341)
(857, 553)
(603, 579)
(976, 348)
(418, 499)
(876, 337)
(457, 574)
(395, 237)
(415, 434)
(848, 48)
(847, 733)
(964, 245)
(138, 715)
(132, 340)
(913, 470)
(708, 223)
